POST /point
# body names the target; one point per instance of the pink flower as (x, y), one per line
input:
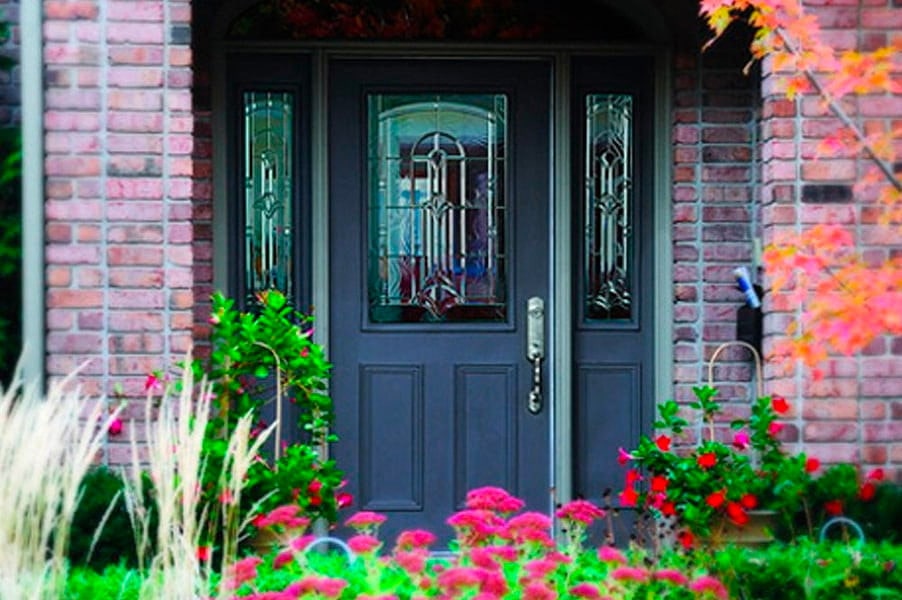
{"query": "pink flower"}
(365, 520)
(344, 499)
(415, 538)
(412, 561)
(364, 544)
(538, 590)
(484, 559)
(611, 554)
(493, 498)
(706, 583)
(285, 515)
(457, 579)
(626, 573)
(152, 383)
(330, 587)
(585, 590)
(674, 576)
(741, 440)
(475, 525)
(305, 352)
(301, 542)
(540, 567)
(623, 456)
(529, 527)
(774, 428)
(244, 570)
(581, 511)
(115, 427)
(282, 558)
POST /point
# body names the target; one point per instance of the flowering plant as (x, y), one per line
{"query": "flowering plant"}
(723, 477)
(502, 552)
(264, 361)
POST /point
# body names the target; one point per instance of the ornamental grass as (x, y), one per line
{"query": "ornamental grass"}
(47, 445)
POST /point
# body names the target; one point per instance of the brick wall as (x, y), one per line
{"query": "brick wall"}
(119, 185)
(855, 413)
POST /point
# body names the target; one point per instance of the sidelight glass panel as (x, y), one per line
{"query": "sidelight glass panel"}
(268, 190)
(607, 212)
(437, 209)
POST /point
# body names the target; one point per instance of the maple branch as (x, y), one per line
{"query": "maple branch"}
(882, 165)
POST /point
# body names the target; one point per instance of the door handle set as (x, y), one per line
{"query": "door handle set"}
(535, 350)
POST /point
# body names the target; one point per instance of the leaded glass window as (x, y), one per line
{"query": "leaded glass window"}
(607, 212)
(268, 189)
(437, 208)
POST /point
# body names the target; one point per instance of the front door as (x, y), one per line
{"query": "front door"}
(439, 187)
(452, 191)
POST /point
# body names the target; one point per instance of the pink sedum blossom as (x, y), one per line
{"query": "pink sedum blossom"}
(585, 590)
(708, 584)
(611, 555)
(581, 511)
(494, 499)
(364, 544)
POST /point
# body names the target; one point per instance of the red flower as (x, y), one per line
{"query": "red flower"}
(833, 507)
(632, 476)
(668, 509)
(812, 465)
(749, 501)
(629, 497)
(737, 514)
(659, 483)
(203, 553)
(663, 443)
(716, 499)
(780, 405)
(686, 539)
(876, 475)
(706, 460)
(774, 428)
(867, 491)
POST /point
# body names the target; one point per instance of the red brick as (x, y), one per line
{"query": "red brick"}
(138, 188)
(136, 321)
(74, 343)
(136, 122)
(134, 77)
(135, 299)
(136, 278)
(72, 254)
(135, 11)
(148, 100)
(830, 432)
(67, 10)
(136, 343)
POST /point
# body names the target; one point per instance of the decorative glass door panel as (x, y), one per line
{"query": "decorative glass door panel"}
(436, 204)
(609, 182)
(268, 194)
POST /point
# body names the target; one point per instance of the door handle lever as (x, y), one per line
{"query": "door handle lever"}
(535, 350)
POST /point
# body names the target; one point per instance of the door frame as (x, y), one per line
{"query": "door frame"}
(559, 310)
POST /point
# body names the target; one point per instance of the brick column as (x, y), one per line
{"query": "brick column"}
(715, 178)
(119, 190)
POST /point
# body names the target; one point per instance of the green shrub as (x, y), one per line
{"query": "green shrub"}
(116, 582)
(806, 570)
(102, 512)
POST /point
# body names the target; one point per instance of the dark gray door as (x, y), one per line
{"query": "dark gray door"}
(439, 196)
